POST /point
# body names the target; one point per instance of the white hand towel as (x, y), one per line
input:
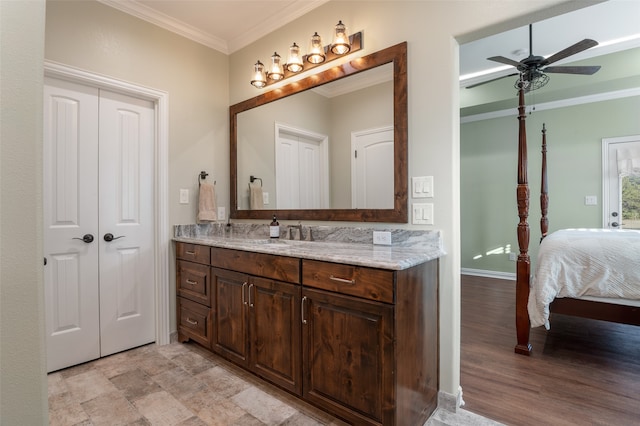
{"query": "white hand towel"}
(255, 197)
(207, 203)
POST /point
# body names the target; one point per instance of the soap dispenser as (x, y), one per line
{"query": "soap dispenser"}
(274, 228)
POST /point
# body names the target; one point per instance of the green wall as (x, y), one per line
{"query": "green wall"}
(488, 151)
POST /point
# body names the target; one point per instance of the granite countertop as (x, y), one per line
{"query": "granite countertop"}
(332, 244)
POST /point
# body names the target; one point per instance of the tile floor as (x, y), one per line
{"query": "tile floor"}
(183, 384)
(176, 384)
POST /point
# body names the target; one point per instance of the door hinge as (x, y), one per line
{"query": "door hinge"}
(355, 153)
(45, 261)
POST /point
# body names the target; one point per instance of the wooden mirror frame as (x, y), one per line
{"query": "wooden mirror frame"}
(395, 54)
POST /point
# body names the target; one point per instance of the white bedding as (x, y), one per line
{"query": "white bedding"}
(584, 262)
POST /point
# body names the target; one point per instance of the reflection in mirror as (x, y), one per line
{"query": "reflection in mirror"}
(333, 146)
(325, 148)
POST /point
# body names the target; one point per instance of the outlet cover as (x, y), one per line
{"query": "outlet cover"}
(222, 213)
(382, 238)
(265, 198)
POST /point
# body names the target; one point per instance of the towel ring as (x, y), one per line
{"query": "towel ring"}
(253, 178)
(202, 176)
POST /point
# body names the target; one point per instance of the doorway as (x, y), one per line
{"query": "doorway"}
(129, 260)
(621, 182)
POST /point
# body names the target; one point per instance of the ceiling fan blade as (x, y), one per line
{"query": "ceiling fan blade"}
(504, 60)
(490, 81)
(571, 50)
(584, 70)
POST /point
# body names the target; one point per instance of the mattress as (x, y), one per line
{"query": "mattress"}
(584, 262)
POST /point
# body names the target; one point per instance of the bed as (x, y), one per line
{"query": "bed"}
(591, 273)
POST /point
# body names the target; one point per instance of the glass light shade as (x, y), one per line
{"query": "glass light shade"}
(316, 50)
(275, 72)
(340, 45)
(258, 79)
(294, 64)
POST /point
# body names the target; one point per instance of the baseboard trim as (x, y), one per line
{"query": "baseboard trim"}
(489, 274)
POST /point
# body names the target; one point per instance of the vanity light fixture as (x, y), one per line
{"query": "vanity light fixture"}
(259, 79)
(294, 63)
(316, 50)
(276, 72)
(341, 45)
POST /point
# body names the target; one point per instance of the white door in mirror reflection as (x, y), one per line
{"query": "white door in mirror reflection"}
(372, 169)
(302, 177)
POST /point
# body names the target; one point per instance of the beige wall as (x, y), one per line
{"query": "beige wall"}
(94, 37)
(23, 388)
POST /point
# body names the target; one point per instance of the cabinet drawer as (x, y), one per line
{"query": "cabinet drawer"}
(192, 252)
(194, 321)
(193, 281)
(369, 283)
(281, 268)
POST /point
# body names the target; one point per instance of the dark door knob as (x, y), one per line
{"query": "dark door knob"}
(614, 214)
(109, 237)
(87, 238)
(615, 224)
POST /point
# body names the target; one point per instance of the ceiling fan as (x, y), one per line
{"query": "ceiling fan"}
(533, 69)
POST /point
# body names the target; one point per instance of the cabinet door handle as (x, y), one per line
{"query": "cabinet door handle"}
(342, 280)
(191, 282)
(244, 285)
(250, 302)
(302, 303)
(192, 322)
(190, 253)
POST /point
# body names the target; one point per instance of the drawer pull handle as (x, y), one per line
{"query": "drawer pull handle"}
(304, 299)
(192, 322)
(342, 280)
(190, 253)
(191, 282)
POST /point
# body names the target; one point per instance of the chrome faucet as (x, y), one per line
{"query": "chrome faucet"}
(297, 227)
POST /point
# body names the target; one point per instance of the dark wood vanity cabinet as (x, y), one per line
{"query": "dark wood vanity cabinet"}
(256, 319)
(193, 288)
(359, 342)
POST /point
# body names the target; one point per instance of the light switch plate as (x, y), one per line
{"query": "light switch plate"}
(422, 187)
(422, 213)
(184, 196)
(265, 198)
(222, 213)
(591, 200)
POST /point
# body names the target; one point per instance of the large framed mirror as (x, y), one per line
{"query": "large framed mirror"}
(331, 146)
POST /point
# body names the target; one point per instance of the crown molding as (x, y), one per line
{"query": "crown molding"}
(288, 14)
(512, 112)
(168, 23)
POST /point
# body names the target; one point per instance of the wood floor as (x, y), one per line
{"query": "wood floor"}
(581, 372)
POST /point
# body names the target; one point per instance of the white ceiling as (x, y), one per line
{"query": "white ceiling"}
(229, 25)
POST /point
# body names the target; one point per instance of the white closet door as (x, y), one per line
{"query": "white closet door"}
(127, 311)
(98, 179)
(70, 196)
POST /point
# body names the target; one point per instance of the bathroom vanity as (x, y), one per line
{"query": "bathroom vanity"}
(349, 327)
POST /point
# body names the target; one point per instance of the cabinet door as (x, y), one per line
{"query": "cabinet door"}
(348, 356)
(274, 330)
(229, 304)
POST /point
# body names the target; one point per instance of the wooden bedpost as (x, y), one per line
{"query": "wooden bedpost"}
(523, 264)
(544, 193)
